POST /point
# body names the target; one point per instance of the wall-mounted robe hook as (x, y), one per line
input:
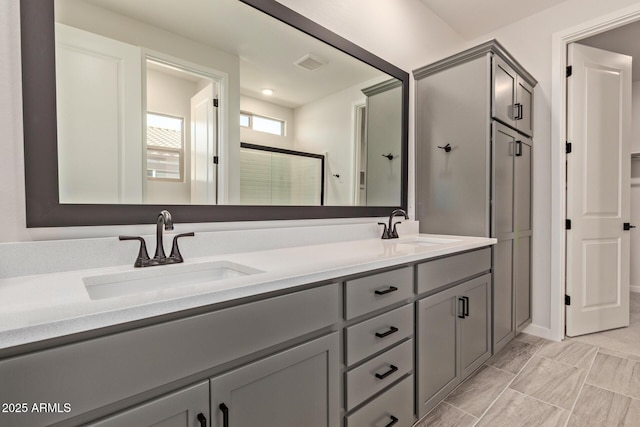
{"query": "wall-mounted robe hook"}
(388, 156)
(446, 148)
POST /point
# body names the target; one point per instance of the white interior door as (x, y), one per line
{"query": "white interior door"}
(598, 187)
(204, 146)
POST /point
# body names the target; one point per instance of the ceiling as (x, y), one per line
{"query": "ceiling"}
(267, 48)
(474, 18)
(485, 16)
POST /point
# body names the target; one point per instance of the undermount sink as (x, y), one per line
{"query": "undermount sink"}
(162, 278)
(428, 241)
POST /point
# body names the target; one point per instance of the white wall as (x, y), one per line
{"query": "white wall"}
(337, 140)
(412, 36)
(529, 41)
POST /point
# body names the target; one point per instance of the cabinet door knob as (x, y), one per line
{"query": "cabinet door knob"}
(518, 148)
(225, 414)
(202, 420)
(460, 308)
(391, 330)
(519, 113)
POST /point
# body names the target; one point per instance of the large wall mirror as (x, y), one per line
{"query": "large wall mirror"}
(219, 110)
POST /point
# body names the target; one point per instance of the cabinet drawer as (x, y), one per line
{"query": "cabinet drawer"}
(396, 403)
(434, 274)
(378, 373)
(378, 333)
(379, 290)
(120, 363)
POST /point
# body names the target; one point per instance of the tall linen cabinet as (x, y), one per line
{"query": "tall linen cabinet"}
(474, 124)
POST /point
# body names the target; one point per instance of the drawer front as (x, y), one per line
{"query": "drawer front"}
(395, 404)
(434, 274)
(119, 363)
(378, 373)
(379, 290)
(378, 333)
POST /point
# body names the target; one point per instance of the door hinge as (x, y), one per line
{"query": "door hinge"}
(215, 160)
(568, 147)
(215, 102)
(567, 224)
(567, 300)
(569, 70)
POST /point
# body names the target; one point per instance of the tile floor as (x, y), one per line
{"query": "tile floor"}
(533, 382)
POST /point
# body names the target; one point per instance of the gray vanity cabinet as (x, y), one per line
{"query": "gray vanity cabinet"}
(298, 387)
(188, 407)
(453, 329)
(474, 175)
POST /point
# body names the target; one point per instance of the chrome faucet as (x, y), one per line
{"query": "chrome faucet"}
(390, 232)
(164, 222)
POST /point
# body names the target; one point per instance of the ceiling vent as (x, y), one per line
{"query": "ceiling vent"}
(310, 62)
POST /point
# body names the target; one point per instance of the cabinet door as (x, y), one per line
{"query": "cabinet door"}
(522, 282)
(503, 146)
(503, 325)
(475, 323)
(522, 185)
(524, 107)
(297, 387)
(504, 92)
(188, 407)
(436, 367)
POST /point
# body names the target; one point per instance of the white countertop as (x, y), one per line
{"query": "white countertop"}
(39, 307)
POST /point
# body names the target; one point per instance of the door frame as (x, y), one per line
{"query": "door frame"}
(560, 40)
(221, 79)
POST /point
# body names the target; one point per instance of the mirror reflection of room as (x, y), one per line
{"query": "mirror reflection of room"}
(175, 104)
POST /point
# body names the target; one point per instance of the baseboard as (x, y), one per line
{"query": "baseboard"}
(634, 289)
(540, 331)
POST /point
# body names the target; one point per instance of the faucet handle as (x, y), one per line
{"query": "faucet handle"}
(394, 233)
(385, 231)
(175, 250)
(143, 255)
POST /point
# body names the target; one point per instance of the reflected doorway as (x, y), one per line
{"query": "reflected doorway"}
(181, 127)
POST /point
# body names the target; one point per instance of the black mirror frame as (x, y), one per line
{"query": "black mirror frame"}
(40, 137)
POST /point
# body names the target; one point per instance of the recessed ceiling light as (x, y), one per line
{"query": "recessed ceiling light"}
(267, 92)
